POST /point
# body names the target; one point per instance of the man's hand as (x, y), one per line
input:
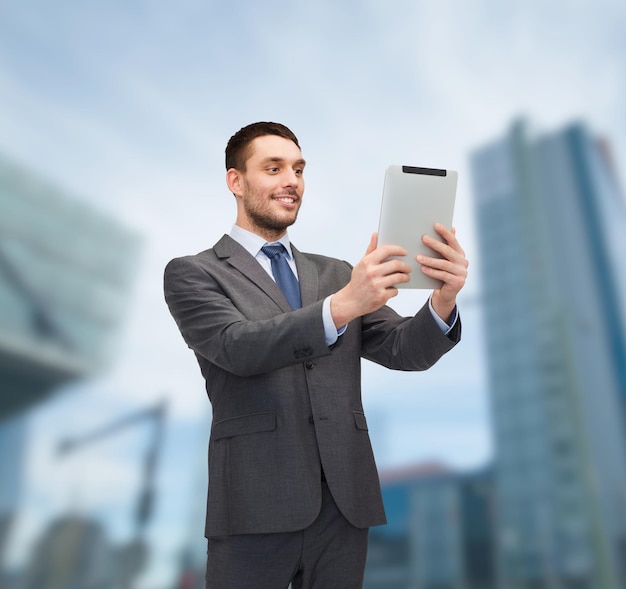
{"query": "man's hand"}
(371, 284)
(451, 269)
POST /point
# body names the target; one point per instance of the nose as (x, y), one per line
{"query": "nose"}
(291, 178)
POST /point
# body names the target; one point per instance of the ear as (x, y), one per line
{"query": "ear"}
(233, 180)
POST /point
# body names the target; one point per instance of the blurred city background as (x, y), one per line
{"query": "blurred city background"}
(504, 466)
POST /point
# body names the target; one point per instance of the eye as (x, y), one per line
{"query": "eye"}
(273, 169)
(299, 171)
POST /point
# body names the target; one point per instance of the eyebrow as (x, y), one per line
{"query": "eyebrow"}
(277, 159)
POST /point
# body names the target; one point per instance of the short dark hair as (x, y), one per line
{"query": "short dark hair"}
(238, 147)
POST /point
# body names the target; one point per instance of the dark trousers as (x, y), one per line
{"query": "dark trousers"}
(329, 554)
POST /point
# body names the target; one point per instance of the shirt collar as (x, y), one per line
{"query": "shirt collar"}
(253, 243)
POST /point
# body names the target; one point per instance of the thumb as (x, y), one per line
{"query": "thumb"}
(373, 243)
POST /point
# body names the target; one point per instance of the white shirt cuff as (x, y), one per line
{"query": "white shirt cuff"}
(330, 331)
(445, 328)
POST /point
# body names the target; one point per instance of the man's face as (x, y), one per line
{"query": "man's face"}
(269, 192)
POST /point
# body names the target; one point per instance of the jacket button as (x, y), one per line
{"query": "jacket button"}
(309, 364)
(311, 420)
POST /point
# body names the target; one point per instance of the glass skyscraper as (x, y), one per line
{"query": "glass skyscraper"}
(552, 227)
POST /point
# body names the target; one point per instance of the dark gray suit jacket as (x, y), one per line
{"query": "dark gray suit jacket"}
(284, 403)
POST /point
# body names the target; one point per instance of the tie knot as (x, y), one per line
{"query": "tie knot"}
(276, 249)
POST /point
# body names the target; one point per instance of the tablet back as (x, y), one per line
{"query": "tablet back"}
(414, 199)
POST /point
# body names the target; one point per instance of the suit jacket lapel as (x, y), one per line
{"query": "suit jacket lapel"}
(240, 259)
(307, 276)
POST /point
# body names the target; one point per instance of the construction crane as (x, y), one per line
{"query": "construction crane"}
(130, 558)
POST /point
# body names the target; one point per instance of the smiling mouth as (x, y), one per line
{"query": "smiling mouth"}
(285, 199)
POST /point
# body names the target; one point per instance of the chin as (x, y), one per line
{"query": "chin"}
(285, 222)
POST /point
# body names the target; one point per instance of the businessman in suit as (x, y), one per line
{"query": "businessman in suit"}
(293, 486)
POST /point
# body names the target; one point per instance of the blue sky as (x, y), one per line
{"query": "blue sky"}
(130, 104)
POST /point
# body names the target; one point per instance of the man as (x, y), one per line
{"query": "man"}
(293, 486)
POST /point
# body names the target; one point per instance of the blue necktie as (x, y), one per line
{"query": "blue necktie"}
(283, 274)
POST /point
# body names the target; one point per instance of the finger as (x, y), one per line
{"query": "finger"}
(383, 252)
(442, 266)
(449, 235)
(450, 248)
(440, 247)
(445, 232)
(373, 243)
(452, 281)
(392, 280)
(394, 266)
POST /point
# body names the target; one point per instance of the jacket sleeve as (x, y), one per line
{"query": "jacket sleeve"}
(406, 343)
(242, 340)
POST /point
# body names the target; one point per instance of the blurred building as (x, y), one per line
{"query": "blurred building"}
(65, 275)
(439, 533)
(192, 558)
(552, 222)
(12, 450)
(72, 552)
(65, 272)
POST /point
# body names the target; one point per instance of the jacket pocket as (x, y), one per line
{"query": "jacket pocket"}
(359, 420)
(244, 424)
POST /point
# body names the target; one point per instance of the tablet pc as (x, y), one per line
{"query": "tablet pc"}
(414, 199)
